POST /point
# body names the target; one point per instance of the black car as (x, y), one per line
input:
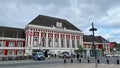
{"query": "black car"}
(39, 56)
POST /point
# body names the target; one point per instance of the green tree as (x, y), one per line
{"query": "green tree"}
(80, 48)
(111, 49)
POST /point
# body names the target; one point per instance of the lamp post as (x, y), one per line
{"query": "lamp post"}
(94, 29)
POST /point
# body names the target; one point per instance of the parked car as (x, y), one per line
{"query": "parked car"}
(109, 55)
(116, 55)
(65, 54)
(39, 56)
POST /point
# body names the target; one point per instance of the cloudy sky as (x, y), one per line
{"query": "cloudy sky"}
(105, 14)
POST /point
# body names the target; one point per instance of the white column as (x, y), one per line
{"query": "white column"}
(59, 41)
(75, 42)
(81, 40)
(70, 41)
(39, 37)
(65, 40)
(28, 48)
(26, 39)
(26, 45)
(46, 39)
(29, 38)
(32, 39)
(53, 40)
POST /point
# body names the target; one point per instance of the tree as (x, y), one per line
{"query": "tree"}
(103, 50)
(80, 48)
(111, 49)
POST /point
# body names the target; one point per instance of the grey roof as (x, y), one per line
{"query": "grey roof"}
(51, 21)
(12, 32)
(98, 39)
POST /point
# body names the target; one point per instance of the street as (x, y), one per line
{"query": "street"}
(56, 63)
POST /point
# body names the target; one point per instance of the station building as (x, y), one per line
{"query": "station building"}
(50, 34)
(53, 35)
(102, 46)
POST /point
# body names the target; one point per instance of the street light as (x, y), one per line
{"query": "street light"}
(94, 29)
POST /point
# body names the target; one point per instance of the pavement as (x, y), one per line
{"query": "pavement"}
(52, 63)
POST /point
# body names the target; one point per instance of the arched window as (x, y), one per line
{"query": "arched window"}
(78, 43)
(62, 42)
(68, 45)
(43, 42)
(56, 42)
(73, 43)
(35, 41)
(50, 42)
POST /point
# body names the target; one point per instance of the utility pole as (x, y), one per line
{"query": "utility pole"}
(93, 42)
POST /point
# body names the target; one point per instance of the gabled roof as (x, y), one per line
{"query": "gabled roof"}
(11, 32)
(51, 21)
(98, 39)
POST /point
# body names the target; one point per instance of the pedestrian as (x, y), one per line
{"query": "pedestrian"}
(79, 59)
(64, 57)
(78, 56)
(71, 58)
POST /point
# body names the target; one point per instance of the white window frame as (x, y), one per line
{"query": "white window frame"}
(43, 42)
(50, 42)
(20, 44)
(56, 42)
(11, 44)
(12, 52)
(20, 53)
(1, 52)
(2, 43)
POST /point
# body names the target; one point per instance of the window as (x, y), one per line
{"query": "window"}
(78, 43)
(2, 43)
(20, 53)
(56, 42)
(11, 44)
(35, 41)
(1, 52)
(10, 52)
(73, 43)
(50, 42)
(43, 42)
(20, 44)
(68, 44)
(62, 43)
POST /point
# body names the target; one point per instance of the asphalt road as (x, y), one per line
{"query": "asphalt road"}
(52, 62)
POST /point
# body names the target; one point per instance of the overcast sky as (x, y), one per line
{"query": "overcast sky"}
(105, 14)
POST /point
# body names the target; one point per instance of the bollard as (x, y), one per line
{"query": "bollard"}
(98, 61)
(88, 61)
(64, 59)
(79, 60)
(71, 60)
(107, 61)
(117, 61)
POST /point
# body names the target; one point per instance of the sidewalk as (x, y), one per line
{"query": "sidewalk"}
(85, 65)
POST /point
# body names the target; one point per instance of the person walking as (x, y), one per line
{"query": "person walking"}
(78, 56)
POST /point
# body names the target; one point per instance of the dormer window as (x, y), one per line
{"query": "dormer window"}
(58, 24)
